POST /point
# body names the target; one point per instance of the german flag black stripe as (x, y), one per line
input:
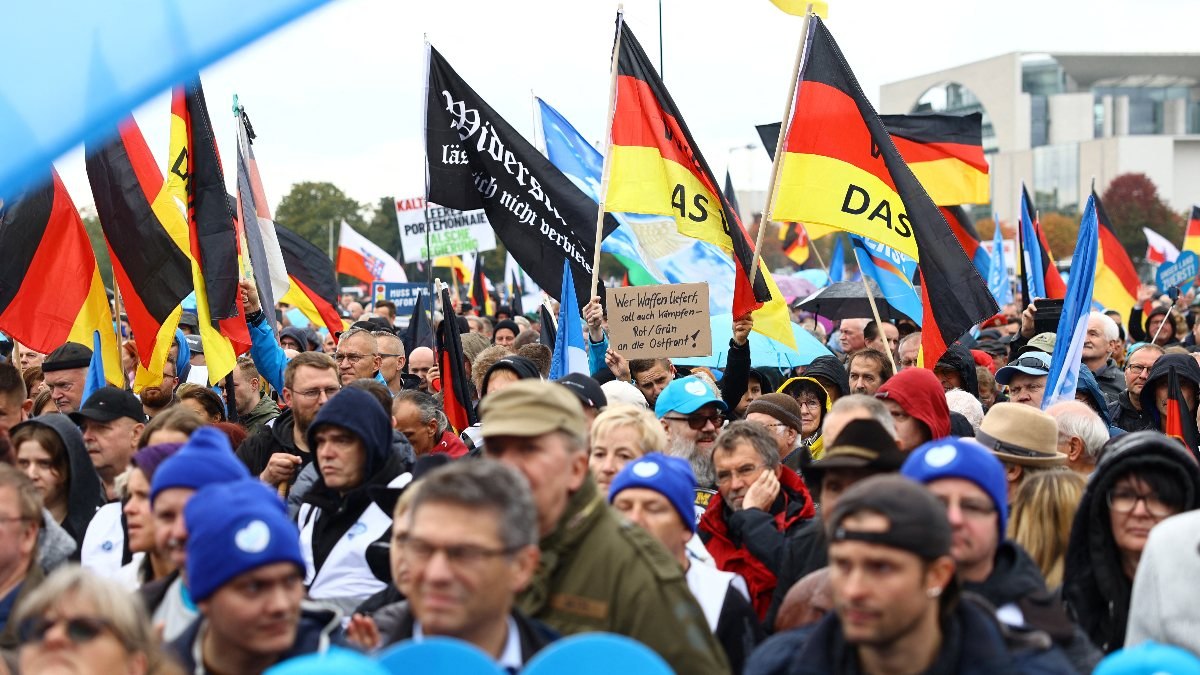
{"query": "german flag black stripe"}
(23, 226)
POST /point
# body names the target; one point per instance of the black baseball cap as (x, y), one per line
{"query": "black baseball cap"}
(67, 357)
(107, 404)
(586, 389)
(917, 521)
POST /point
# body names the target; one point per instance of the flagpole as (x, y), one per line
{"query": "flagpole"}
(875, 313)
(120, 332)
(607, 169)
(777, 162)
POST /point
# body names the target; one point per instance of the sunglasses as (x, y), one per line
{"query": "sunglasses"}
(697, 421)
(80, 629)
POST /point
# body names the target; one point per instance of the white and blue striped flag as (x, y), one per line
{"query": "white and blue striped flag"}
(1077, 306)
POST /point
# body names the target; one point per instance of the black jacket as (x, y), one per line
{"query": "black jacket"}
(973, 643)
(1095, 587)
(395, 624)
(1016, 580)
(255, 452)
(959, 358)
(806, 552)
(83, 489)
(313, 635)
(1111, 379)
(1125, 416)
(1186, 370)
(737, 374)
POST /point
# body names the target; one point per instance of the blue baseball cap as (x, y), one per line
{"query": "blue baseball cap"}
(1030, 363)
(686, 395)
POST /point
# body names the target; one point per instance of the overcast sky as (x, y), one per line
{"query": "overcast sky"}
(338, 95)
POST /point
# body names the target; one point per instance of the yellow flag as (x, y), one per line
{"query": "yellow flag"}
(800, 7)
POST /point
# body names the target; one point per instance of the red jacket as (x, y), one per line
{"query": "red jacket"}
(450, 444)
(752, 542)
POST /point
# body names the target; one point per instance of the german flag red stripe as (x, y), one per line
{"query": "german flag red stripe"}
(313, 284)
(921, 138)
(50, 287)
(456, 397)
(843, 170)
(1117, 281)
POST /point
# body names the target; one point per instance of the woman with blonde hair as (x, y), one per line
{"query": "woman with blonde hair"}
(1041, 518)
(621, 434)
(78, 621)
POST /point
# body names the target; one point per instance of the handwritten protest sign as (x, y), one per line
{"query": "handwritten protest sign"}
(654, 321)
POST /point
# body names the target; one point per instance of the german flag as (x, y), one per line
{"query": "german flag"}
(945, 153)
(456, 392)
(842, 169)
(50, 287)
(1180, 420)
(480, 297)
(655, 167)
(151, 270)
(1116, 279)
(312, 286)
(964, 230)
(794, 240)
(1191, 237)
(461, 272)
(208, 234)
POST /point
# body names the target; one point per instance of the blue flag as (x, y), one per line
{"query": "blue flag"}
(579, 161)
(893, 271)
(570, 352)
(104, 60)
(1032, 250)
(837, 261)
(95, 374)
(1077, 306)
(998, 282)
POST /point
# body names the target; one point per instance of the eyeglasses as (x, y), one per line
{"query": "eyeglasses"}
(352, 358)
(312, 394)
(1136, 369)
(384, 355)
(744, 473)
(1123, 501)
(80, 629)
(809, 403)
(697, 421)
(419, 552)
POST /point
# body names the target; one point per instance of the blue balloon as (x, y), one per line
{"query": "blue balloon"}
(597, 654)
(438, 655)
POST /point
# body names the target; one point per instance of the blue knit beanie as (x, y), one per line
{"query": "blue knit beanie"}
(671, 477)
(233, 528)
(961, 458)
(206, 458)
(360, 413)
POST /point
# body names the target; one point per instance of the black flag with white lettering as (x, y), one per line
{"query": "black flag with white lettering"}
(476, 160)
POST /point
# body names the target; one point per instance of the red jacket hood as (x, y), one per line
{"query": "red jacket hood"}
(920, 393)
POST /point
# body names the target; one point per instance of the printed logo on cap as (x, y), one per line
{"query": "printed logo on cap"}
(253, 538)
(941, 456)
(695, 388)
(645, 469)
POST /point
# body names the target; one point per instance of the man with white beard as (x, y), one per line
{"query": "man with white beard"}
(693, 414)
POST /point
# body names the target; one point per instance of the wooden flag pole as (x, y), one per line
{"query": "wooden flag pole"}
(878, 321)
(777, 163)
(607, 169)
(120, 332)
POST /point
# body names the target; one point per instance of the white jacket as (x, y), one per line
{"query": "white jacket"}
(1165, 594)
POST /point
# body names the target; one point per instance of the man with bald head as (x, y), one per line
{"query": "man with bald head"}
(420, 362)
(852, 335)
(357, 355)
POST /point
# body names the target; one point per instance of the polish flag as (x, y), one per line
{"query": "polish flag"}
(1158, 249)
(362, 259)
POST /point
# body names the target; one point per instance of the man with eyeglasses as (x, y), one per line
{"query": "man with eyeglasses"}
(278, 452)
(66, 370)
(246, 576)
(357, 355)
(1026, 378)
(1127, 412)
(351, 442)
(20, 522)
(759, 507)
(971, 483)
(471, 546)
(692, 415)
(391, 363)
(596, 573)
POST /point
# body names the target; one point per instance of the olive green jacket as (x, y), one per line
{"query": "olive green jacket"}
(257, 418)
(601, 573)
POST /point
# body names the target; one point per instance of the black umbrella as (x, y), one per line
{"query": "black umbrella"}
(848, 300)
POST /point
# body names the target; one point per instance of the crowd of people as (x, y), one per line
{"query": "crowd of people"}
(864, 513)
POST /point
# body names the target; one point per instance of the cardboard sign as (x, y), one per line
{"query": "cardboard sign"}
(404, 295)
(1181, 273)
(451, 232)
(655, 321)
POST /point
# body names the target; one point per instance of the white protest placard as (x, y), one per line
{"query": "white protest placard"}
(451, 232)
(667, 320)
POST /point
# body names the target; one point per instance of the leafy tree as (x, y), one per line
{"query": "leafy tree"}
(91, 223)
(1132, 202)
(311, 209)
(1062, 233)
